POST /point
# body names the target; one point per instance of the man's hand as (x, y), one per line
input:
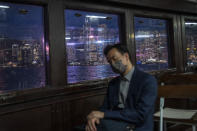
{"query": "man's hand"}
(91, 124)
(97, 114)
(92, 119)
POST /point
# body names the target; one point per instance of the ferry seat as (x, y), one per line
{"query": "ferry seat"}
(174, 116)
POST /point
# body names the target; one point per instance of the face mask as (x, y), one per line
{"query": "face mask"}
(118, 67)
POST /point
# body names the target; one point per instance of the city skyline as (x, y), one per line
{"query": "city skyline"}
(19, 53)
(191, 43)
(21, 35)
(22, 47)
(77, 42)
(86, 39)
(22, 42)
(151, 39)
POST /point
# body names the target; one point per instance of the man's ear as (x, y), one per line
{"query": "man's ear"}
(127, 56)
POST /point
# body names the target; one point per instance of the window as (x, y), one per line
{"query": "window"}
(191, 42)
(22, 61)
(151, 39)
(87, 33)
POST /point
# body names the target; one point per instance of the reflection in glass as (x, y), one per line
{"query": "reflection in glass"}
(21, 47)
(191, 42)
(87, 33)
(151, 39)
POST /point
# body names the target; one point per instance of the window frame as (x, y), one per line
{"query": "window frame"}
(172, 36)
(97, 9)
(16, 93)
(183, 35)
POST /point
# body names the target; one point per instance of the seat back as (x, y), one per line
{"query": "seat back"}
(179, 86)
(178, 91)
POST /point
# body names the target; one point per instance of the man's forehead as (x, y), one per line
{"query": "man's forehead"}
(113, 53)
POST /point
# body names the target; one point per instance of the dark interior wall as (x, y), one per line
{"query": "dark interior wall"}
(58, 112)
(169, 5)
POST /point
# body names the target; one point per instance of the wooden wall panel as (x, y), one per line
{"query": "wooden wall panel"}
(38, 119)
(82, 107)
(56, 113)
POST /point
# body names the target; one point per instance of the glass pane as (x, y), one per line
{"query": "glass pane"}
(191, 42)
(21, 47)
(151, 39)
(87, 33)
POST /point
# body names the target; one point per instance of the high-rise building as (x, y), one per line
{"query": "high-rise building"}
(15, 50)
(26, 55)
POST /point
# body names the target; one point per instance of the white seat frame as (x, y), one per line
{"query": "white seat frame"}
(162, 100)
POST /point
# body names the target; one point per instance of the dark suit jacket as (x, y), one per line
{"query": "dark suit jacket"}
(139, 107)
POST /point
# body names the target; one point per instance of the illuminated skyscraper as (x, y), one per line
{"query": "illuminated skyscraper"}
(26, 55)
(15, 51)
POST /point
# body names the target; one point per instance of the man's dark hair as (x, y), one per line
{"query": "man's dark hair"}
(120, 47)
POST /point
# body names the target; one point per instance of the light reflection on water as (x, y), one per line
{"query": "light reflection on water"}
(84, 73)
(22, 78)
(34, 77)
(153, 66)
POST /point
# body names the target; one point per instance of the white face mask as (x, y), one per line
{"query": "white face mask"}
(118, 67)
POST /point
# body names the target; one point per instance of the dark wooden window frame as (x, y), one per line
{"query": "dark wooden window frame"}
(13, 94)
(172, 38)
(183, 37)
(99, 9)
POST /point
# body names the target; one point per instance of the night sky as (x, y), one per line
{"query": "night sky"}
(78, 21)
(26, 21)
(148, 24)
(21, 21)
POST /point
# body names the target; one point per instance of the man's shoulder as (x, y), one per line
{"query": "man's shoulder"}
(115, 79)
(144, 75)
(145, 79)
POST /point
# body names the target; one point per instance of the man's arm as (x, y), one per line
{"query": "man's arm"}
(105, 106)
(94, 117)
(107, 103)
(144, 105)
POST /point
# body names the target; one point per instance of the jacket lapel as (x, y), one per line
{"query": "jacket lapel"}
(132, 87)
(133, 82)
(116, 88)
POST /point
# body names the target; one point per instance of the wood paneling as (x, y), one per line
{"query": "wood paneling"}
(57, 112)
(38, 119)
(81, 107)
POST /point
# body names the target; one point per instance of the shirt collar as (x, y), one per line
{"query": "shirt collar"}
(128, 76)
